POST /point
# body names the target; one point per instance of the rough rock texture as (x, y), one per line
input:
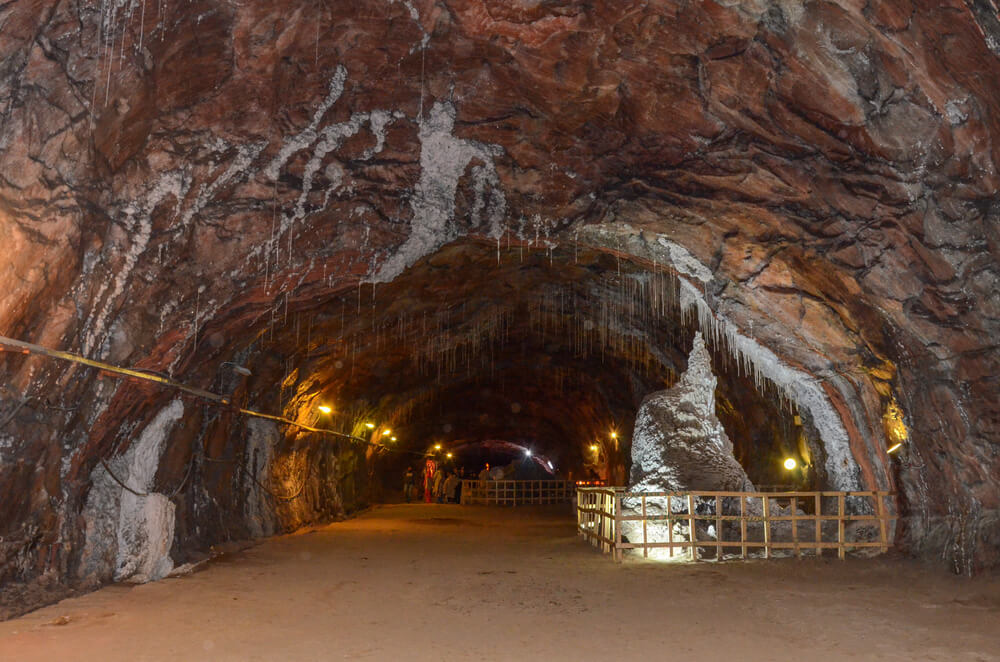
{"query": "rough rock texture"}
(130, 531)
(679, 443)
(196, 183)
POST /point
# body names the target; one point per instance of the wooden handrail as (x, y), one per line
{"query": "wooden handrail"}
(602, 512)
(516, 492)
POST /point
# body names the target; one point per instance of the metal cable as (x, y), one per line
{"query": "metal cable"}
(186, 476)
(13, 413)
(282, 497)
(120, 482)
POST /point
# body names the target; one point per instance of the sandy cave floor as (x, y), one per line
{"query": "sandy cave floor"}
(433, 582)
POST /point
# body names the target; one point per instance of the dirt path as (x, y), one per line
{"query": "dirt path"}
(452, 583)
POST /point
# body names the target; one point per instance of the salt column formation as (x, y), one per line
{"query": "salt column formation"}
(679, 444)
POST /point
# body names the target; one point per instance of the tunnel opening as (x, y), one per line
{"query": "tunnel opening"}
(548, 347)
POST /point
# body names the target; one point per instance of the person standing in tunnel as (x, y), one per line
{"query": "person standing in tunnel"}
(429, 467)
(408, 484)
(450, 487)
(439, 485)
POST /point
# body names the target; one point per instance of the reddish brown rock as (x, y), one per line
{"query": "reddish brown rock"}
(192, 185)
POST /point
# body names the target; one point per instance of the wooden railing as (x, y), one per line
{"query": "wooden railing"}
(516, 492)
(703, 524)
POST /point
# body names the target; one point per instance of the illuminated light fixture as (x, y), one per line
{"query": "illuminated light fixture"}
(370, 426)
(437, 447)
(448, 455)
(392, 439)
(386, 432)
(895, 448)
(790, 463)
(325, 409)
(593, 447)
(527, 451)
(614, 435)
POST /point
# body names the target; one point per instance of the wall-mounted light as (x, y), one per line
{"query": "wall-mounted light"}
(437, 447)
(790, 463)
(392, 438)
(614, 435)
(594, 447)
(370, 426)
(325, 409)
(386, 432)
(448, 455)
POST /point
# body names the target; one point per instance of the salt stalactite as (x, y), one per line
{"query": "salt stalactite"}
(767, 370)
(763, 365)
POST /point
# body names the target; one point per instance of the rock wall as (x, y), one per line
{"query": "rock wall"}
(174, 182)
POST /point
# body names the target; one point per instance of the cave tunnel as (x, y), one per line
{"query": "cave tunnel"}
(549, 349)
(260, 258)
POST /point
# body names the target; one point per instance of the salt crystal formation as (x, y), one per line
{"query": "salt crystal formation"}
(680, 445)
(135, 529)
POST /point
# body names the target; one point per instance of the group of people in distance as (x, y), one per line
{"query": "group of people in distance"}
(441, 485)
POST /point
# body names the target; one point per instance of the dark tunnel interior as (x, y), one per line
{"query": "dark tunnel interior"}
(551, 349)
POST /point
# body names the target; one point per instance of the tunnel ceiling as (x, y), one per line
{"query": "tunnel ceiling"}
(194, 183)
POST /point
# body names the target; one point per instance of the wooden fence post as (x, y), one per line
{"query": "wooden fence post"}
(619, 552)
(795, 527)
(743, 526)
(691, 528)
(718, 528)
(767, 527)
(819, 524)
(645, 550)
(579, 514)
(880, 510)
(840, 526)
(670, 524)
